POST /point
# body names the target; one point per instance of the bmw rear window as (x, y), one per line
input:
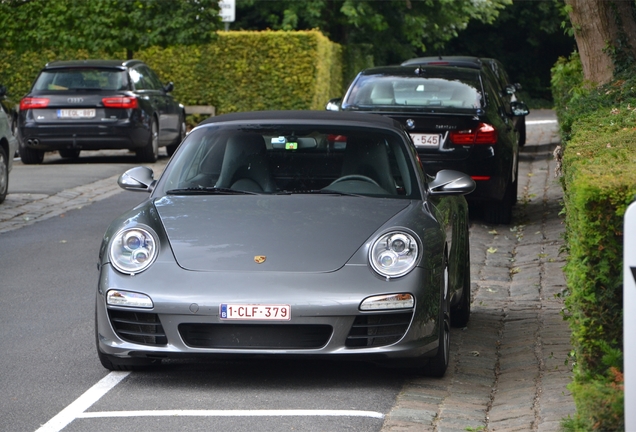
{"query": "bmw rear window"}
(81, 79)
(429, 90)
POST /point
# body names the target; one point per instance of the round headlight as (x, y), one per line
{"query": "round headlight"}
(394, 254)
(132, 250)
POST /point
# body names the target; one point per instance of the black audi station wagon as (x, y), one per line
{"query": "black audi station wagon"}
(456, 119)
(99, 104)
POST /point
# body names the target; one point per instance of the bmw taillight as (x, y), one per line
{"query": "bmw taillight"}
(33, 103)
(125, 102)
(483, 134)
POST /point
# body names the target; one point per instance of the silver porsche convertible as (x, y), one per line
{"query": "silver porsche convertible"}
(292, 233)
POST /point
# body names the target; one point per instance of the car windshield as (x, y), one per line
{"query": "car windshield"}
(81, 79)
(297, 159)
(415, 91)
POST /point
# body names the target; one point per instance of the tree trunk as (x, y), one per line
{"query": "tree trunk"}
(605, 32)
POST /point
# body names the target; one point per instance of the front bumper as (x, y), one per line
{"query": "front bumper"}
(326, 320)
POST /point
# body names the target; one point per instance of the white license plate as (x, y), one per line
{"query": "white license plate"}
(75, 113)
(255, 312)
(426, 140)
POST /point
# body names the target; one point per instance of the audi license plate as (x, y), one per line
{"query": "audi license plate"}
(426, 140)
(255, 312)
(75, 113)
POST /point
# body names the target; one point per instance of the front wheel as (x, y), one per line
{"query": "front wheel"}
(150, 152)
(182, 134)
(461, 314)
(437, 365)
(4, 174)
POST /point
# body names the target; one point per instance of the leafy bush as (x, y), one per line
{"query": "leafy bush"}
(599, 136)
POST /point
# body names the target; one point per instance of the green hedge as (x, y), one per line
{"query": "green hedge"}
(239, 71)
(599, 181)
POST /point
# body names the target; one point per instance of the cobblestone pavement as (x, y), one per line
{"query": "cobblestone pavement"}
(509, 367)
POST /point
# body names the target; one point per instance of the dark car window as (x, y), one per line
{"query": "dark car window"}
(302, 159)
(415, 91)
(81, 79)
(144, 79)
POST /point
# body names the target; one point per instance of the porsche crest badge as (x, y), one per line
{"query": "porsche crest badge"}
(260, 259)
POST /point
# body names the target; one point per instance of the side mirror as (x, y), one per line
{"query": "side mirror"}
(519, 109)
(449, 182)
(3, 91)
(333, 104)
(169, 87)
(138, 179)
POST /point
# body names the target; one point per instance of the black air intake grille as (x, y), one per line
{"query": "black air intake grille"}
(138, 327)
(255, 336)
(378, 329)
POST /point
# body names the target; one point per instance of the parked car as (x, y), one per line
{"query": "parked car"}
(490, 67)
(8, 147)
(457, 121)
(99, 104)
(292, 233)
(10, 107)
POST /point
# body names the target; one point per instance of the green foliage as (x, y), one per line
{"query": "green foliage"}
(245, 71)
(599, 403)
(599, 131)
(105, 26)
(239, 71)
(526, 38)
(395, 29)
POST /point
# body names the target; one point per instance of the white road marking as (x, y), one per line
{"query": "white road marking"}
(82, 403)
(76, 409)
(535, 122)
(234, 413)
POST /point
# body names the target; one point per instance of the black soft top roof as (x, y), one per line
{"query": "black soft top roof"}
(340, 117)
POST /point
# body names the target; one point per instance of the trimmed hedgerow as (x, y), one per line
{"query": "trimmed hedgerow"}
(599, 181)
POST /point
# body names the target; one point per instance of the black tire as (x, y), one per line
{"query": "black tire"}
(30, 156)
(4, 174)
(437, 365)
(69, 153)
(522, 133)
(182, 134)
(150, 152)
(500, 212)
(460, 315)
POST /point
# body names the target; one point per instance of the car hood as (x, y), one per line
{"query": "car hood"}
(297, 233)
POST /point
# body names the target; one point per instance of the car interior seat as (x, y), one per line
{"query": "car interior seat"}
(368, 157)
(383, 94)
(246, 165)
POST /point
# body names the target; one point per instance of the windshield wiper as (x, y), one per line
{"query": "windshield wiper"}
(316, 192)
(208, 191)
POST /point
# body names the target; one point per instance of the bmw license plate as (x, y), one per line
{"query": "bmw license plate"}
(426, 140)
(255, 312)
(75, 113)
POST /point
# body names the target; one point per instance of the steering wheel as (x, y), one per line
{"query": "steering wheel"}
(356, 177)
